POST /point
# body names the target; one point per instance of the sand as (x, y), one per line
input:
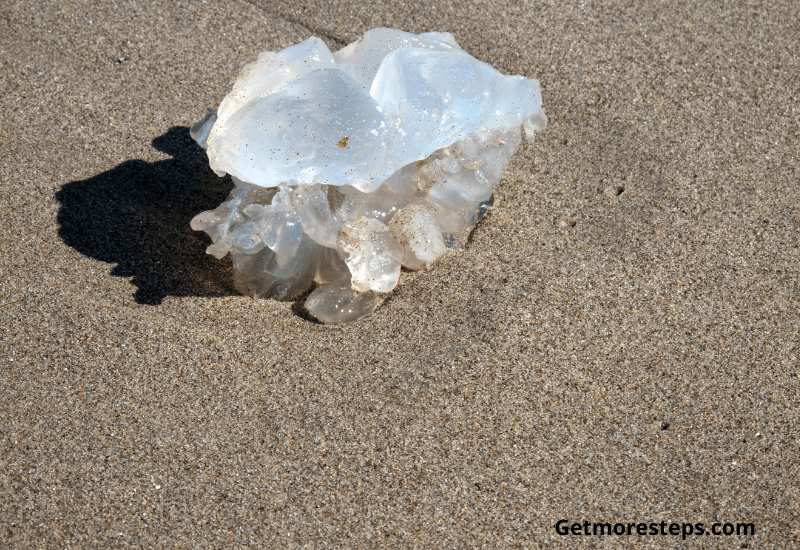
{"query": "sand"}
(618, 342)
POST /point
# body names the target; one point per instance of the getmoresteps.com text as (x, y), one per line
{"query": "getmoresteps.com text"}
(588, 528)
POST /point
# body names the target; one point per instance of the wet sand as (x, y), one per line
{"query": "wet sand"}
(619, 341)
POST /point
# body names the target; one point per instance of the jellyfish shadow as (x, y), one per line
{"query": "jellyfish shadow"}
(137, 217)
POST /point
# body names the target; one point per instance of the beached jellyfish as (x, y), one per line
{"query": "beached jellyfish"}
(349, 165)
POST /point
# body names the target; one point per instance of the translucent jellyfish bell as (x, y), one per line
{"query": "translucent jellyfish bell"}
(348, 165)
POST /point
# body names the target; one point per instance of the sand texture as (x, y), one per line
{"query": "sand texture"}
(620, 340)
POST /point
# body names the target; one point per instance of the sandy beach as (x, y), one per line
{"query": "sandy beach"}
(619, 342)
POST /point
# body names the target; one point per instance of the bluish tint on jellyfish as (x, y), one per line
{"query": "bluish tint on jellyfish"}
(349, 165)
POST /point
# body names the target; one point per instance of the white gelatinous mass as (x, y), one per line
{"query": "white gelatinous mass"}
(348, 165)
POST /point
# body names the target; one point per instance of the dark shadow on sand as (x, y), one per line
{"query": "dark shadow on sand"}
(137, 217)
